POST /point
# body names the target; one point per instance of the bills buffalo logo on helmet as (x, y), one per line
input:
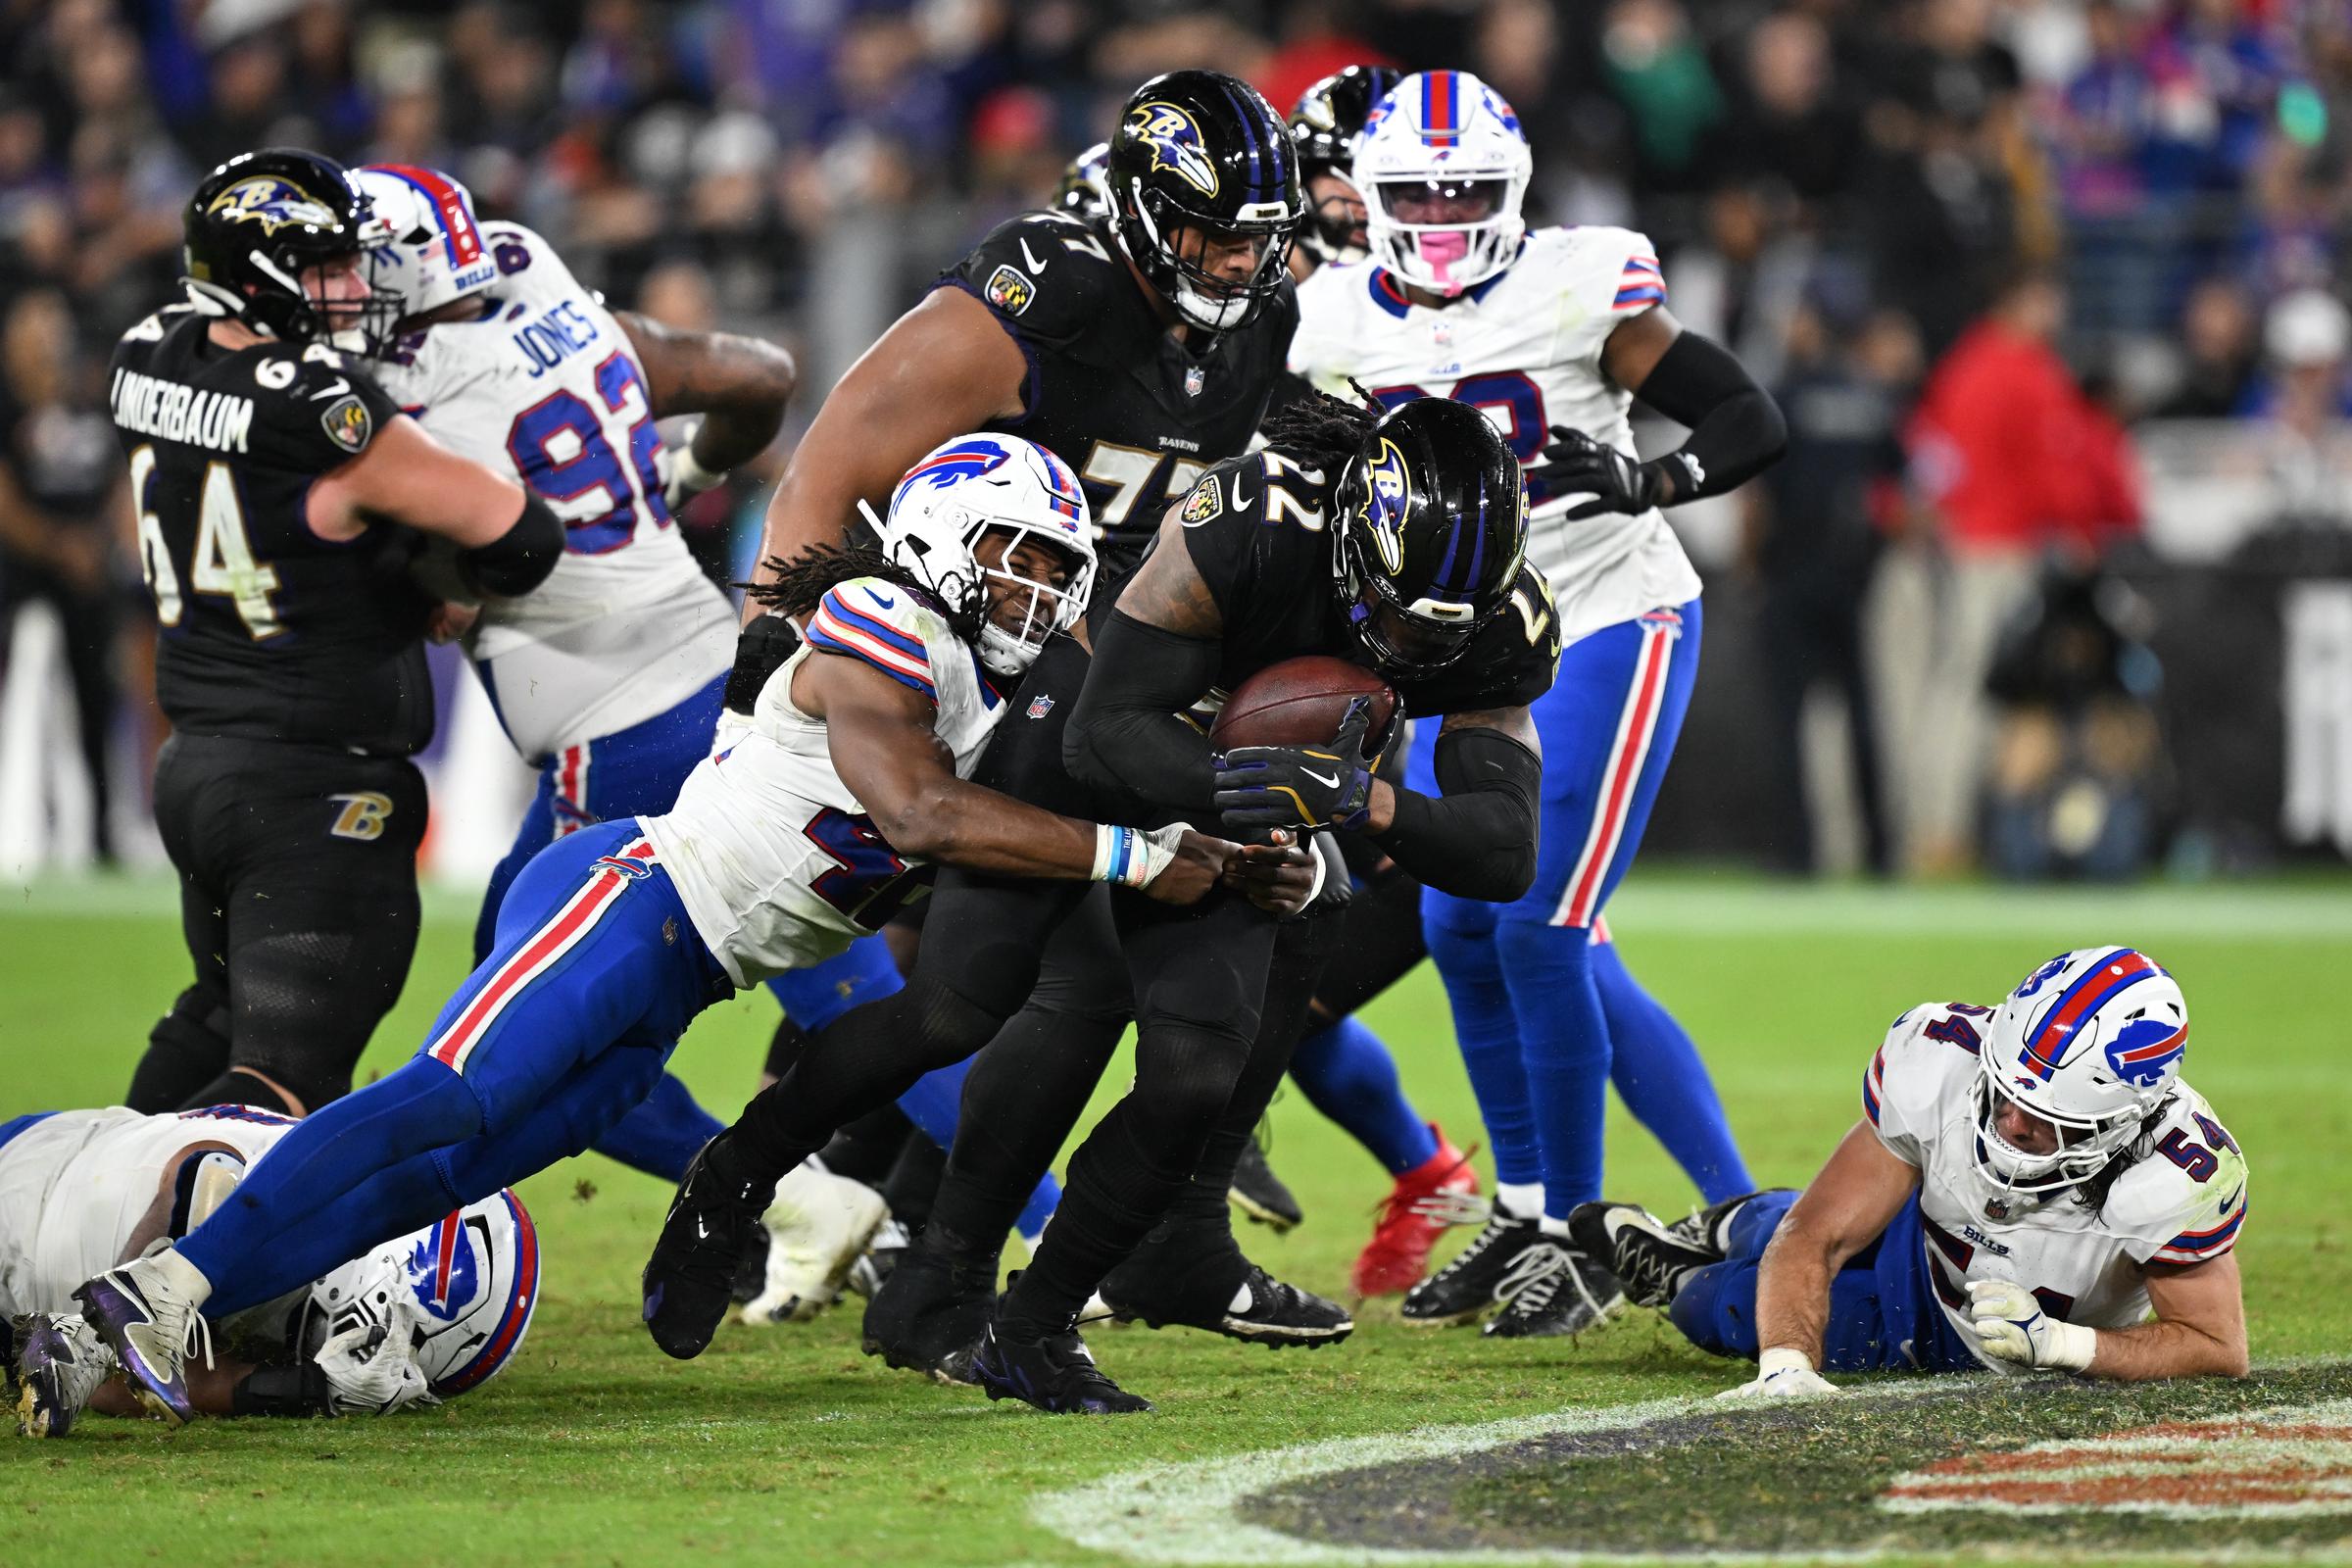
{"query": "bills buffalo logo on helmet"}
(1008, 291)
(442, 1266)
(272, 203)
(965, 460)
(1383, 510)
(1175, 143)
(348, 424)
(2144, 1048)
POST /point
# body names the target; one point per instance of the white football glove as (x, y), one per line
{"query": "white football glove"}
(687, 477)
(1783, 1374)
(2011, 1327)
(369, 1368)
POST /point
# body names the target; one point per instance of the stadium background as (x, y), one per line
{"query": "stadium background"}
(2123, 503)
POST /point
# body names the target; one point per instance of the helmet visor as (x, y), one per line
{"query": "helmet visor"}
(1441, 202)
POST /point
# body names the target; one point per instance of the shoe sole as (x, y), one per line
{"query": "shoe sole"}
(1589, 1228)
(30, 1422)
(1273, 1338)
(827, 1295)
(1614, 1309)
(1451, 1320)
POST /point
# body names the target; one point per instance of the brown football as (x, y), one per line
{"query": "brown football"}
(1302, 702)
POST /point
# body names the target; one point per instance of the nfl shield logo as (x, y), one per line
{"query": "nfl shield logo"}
(1040, 707)
(1193, 378)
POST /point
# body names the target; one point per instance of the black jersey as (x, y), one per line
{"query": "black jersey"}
(1256, 526)
(1110, 392)
(269, 631)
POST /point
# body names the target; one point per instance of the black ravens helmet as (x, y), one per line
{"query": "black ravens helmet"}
(1431, 530)
(1323, 128)
(262, 219)
(1083, 193)
(1201, 152)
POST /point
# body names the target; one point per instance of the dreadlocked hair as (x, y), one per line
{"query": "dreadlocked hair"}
(1322, 431)
(798, 584)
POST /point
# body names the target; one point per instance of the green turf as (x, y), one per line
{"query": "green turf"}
(787, 1444)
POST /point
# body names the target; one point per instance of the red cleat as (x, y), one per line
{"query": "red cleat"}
(1422, 1203)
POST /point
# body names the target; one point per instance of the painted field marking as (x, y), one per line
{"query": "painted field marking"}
(2294, 1461)
(1188, 1513)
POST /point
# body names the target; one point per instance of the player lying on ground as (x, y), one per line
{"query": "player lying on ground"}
(781, 849)
(2027, 1183)
(424, 1317)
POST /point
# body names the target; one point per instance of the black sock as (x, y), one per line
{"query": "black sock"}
(1114, 1197)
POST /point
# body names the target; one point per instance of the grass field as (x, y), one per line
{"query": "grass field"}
(787, 1444)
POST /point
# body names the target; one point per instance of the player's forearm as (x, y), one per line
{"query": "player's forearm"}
(964, 824)
(1478, 838)
(730, 438)
(1792, 1290)
(2162, 1349)
(1124, 732)
(1737, 429)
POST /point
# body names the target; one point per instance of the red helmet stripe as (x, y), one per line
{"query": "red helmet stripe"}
(458, 233)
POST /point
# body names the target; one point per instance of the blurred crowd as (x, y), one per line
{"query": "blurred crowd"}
(1975, 245)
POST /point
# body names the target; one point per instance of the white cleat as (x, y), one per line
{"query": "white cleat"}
(817, 1228)
(147, 1311)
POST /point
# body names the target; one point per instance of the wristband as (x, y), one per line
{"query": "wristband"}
(1783, 1358)
(2069, 1346)
(1133, 858)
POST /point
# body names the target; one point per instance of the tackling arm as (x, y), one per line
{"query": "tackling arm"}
(883, 746)
(1477, 839)
(740, 386)
(944, 367)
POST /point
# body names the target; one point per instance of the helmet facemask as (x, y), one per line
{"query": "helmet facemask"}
(2085, 1143)
(1335, 231)
(1475, 232)
(1171, 247)
(1038, 608)
(1406, 641)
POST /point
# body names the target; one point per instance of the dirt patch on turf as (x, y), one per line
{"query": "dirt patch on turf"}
(2261, 1464)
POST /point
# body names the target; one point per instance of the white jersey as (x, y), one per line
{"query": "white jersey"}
(2183, 1203)
(1525, 347)
(84, 1189)
(547, 388)
(777, 863)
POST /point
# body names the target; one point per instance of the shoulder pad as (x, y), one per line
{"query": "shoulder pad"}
(1929, 1054)
(882, 624)
(317, 387)
(1045, 274)
(1621, 272)
(2185, 1200)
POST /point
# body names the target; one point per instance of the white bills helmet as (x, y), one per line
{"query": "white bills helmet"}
(967, 486)
(436, 254)
(472, 1280)
(1444, 134)
(2091, 1043)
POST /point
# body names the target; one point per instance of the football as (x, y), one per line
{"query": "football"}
(1302, 702)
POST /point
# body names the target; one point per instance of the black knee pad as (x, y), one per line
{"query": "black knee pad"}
(187, 1048)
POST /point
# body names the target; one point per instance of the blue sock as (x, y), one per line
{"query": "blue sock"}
(1489, 1036)
(935, 1103)
(1564, 1041)
(861, 972)
(1659, 1075)
(663, 1134)
(405, 1114)
(1348, 1075)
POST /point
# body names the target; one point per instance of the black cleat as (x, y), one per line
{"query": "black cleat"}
(1555, 1291)
(1649, 1257)
(690, 1280)
(1056, 1374)
(1463, 1290)
(931, 1314)
(1711, 1227)
(1193, 1276)
(751, 1268)
(1261, 1195)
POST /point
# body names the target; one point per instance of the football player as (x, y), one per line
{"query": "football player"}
(2031, 1185)
(1137, 347)
(423, 1318)
(1556, 329)
(1426, 582)
(268, 469)
(796, 838)
(1323, 126)
(608, 678)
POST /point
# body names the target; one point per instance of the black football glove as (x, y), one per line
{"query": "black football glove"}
(760, 652)
(1300, 786)
(1575, 461)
